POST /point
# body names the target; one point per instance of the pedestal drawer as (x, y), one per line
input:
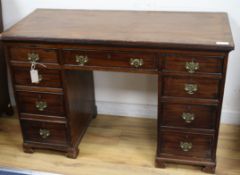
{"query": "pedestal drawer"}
(188, 116)
(49, 78)
(40, 103)
(110, 59)
(187, 145)
(28, 53)
(191, 87)
(192, 62)
(44, 132)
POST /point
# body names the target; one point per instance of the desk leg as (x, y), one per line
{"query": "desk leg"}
(27, 148)
(72, 153)
(160, 163)
(209, 169)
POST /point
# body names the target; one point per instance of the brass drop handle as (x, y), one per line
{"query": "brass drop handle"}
(191, 88)
(41, 105)
(33, 57)
(44, 133)
(186, 146)
(188, 117)
(136, 62)
(81, 59)
(191, 67)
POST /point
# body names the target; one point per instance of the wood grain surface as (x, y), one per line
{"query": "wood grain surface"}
(182, 29)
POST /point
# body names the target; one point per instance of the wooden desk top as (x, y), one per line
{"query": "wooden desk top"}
(158, 29)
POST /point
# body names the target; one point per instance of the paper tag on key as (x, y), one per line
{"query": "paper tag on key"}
(34, 76)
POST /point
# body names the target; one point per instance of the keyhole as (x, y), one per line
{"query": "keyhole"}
(39, 97)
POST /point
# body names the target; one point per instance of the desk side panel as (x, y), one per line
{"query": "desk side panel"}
(79, 91)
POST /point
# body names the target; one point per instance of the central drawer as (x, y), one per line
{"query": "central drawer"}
(178, 86)
(93, 58)
(40, 103)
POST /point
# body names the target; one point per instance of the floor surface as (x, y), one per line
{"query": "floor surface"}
(113, 146)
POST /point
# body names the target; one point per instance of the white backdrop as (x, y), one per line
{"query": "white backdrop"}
(132, 94)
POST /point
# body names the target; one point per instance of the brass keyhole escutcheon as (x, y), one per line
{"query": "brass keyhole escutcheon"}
(192, 67)
(81, 60)
(186, 146)
(44, 133)
(136, 62)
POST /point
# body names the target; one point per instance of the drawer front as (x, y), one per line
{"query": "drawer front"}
(44, 132)
(108, 59)
(189, 116)
(193, 64)
(189, 146)
(40, 103)
(49, 78)
(26, 54)
(191, 87)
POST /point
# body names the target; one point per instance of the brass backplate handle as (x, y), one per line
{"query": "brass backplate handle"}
(81, 59)
(136, 62)
(44, 133)
(188, 117)
(33, 57)
(192, 66)
(191, 88)
(186, 146)
(41, 105)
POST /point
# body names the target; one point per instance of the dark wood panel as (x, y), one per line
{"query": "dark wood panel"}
(110, 59)
(28, 101)
(38, 89)
(44, 132)
(47, 118)
(188, 116)
(172, 144)
(80, 97)
(178, 87)
(49, 78)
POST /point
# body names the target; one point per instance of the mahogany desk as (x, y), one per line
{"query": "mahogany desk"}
(188, 52)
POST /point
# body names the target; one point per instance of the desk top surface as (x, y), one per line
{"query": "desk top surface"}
(170, 29)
